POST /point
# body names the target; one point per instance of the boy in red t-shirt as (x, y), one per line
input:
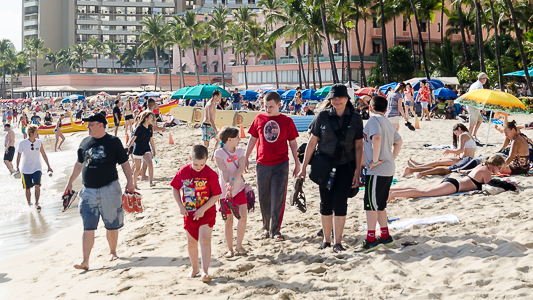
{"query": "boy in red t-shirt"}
(196, 190)
(271, 131)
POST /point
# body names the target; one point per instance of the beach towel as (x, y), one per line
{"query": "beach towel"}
(437, 147)
(401, 225)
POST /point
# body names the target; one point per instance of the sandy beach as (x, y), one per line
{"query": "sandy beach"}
(488, 254)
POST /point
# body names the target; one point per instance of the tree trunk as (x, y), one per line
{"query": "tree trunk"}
(299, 69)
(36, 86)
(195, 61)
(169, 67)
(207, 67)
(518, 34)
(181, 69)
(245, 61)
(394, 29)
(348, 65)
(311, 59)
(412, 45)
(96, 57)
(361, 52)
(384, 48)
(497, 50)
(221, 61)
(442, 23)
(364, 35)
(330, 49)
(11, 82)
(479, 39)
(275, 64)
(420, 40)
(466, 49)
(343, 73)
(301, 66)
(31, 80)
(308, 65)
(318, 65)
(4, 94)
(429, 37)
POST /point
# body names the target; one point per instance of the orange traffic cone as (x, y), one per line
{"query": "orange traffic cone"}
(170, 140)
(417, 125)
(243, 135)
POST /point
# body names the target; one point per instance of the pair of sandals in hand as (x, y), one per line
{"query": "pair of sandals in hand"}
(226, 206)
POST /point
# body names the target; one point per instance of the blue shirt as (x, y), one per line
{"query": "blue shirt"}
(236, 97)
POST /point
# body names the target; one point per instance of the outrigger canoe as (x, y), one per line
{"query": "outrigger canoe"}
(74, 126)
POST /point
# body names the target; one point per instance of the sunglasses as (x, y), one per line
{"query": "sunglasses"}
(32, 147)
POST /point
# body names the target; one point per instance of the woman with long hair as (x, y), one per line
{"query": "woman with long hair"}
(143, 143)
(394, 106)
(465, 148)
(48, 119)
(23, 123)
(58, 133)
(128, 115)
(409, 99)
(518, 160)
(480, 175)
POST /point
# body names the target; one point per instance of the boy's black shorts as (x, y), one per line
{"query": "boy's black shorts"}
(377, 192)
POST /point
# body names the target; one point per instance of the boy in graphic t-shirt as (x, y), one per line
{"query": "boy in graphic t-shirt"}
(271, 131)
(196, 190)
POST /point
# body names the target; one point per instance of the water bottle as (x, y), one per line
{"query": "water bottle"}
(331, 178)
(50, 173)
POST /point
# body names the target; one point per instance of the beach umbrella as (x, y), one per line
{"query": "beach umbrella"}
(249, 95)
(288, 95)
(39, 99)
(365, 91)
(444, 93)
(494, 101)
(433, 84)
(73, 98)
(179, 93)
(149, 94)
(323, 92)
(384, 88)
(204, 91)
(279, 91)
(520, 73)
(310, 94)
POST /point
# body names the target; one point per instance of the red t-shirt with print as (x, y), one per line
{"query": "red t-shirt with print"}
(197, 187)
(272, 134)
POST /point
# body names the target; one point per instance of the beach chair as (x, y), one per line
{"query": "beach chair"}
(440, 110)
(312, 104)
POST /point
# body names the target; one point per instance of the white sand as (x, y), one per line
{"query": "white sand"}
(487, 255)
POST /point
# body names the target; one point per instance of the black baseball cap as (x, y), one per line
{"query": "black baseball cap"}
(98, 117)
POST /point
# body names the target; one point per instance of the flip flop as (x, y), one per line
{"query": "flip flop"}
(265, 235)
(68, 199)
(279, 238)
(410, 126)
(223, 209)
(234, 209)
(38, 208)
(409, 243)
(298, 196)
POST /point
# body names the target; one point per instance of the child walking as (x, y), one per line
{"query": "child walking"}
(196, 190)
(379, 137)
(231, 164)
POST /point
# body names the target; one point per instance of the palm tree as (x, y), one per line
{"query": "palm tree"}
(356, 17)
(113, 52)
(65, 58)
(385, 55)
(219, 24)
(271, 11)
(5, 46)
(518, 34)
(447, 61)
(420, 40)
(322, 5)
(11, 59)
(495, 23)
(51, 57)
(98, 48)
(460, 19)
(479, 35)
(81, 53)
(345, 10)
(427, 9)
(179, 37)
(243, 17)
(126, 59)
(35, 48)
(190, 23)
(154, 34)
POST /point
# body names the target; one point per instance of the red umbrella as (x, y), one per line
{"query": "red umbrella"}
(366, 91)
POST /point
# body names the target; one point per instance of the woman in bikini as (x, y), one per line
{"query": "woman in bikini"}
(58, 133)
(480, 175)
(466, 151)
(518, 160)
(128, 116)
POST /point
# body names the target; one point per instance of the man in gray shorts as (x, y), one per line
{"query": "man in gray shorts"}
(101, 195)
(474, 118)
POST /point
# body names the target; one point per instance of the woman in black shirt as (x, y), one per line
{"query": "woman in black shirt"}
(48, 119)
(143, 142)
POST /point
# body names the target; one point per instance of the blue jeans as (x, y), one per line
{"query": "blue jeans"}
(236, 106)
(106, 202)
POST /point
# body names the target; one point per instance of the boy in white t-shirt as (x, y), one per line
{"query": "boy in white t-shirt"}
(231, 164)
(31, 149)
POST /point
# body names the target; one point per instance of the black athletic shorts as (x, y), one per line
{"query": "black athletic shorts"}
(10, 154)
(30, 180)
(377, 192)
(128, 117)
(117, 121)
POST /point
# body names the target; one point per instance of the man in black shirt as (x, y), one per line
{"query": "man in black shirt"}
(101, 194)
(117, 115)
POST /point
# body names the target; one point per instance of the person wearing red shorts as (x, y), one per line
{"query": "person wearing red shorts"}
(231, 164)
(196, 190)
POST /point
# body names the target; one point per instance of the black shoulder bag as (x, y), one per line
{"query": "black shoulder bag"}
(322, 163)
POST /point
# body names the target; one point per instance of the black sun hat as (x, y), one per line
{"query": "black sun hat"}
(338, 90)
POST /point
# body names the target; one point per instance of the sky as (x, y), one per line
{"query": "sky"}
(11, 25)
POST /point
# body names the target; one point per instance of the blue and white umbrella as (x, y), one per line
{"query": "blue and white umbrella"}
(445, 93)
(288, 95)
(249, 95)
(309, 94)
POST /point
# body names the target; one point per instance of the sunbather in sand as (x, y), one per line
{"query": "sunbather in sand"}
(465, 151)
(473, 181)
